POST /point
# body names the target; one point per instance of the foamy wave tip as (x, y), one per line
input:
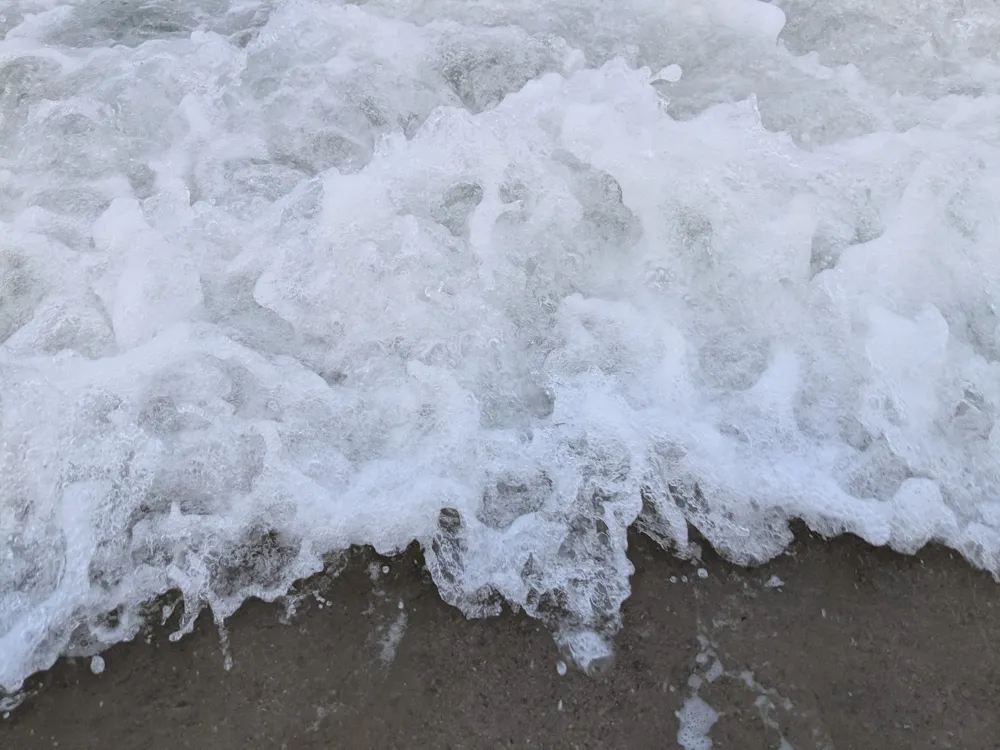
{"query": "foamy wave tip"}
(279, 278)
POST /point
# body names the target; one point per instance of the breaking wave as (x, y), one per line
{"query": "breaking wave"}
(504, 278)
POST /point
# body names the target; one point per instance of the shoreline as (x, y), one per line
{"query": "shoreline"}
(835, 644)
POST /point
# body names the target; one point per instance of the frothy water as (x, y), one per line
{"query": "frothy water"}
(277, 278)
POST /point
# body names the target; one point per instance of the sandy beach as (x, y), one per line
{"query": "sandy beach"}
(833, 645)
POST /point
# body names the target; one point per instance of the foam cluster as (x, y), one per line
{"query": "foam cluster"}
(281, 278)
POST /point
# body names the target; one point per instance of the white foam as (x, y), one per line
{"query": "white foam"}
(696, 721)
(280, 278)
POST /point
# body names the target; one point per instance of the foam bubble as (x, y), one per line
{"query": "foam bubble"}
(277, 279)
(670, 74)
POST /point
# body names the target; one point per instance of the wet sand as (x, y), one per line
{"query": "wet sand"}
(857, 648)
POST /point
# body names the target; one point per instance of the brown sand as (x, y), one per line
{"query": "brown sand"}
(859, 648)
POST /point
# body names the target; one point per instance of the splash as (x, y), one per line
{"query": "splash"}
(280, 278)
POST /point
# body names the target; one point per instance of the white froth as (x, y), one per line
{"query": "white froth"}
(696, 721)
(277, 278)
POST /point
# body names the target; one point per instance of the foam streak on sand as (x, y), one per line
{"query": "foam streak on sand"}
(280, 278)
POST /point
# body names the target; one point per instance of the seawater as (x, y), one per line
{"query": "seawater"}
(505, 278)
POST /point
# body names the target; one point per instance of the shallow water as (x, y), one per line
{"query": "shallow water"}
(280, 278)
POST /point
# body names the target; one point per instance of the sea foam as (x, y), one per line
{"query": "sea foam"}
(281, 278)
